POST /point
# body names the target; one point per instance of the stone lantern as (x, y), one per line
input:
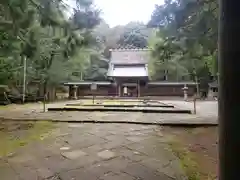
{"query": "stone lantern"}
(185, 92)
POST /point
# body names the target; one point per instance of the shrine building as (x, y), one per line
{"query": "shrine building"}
(128, 76)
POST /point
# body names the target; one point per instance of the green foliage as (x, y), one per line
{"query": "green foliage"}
(26, 133)
(54, 45)
(97, 69)
(134, 35)
(60, 48)
(187, 36)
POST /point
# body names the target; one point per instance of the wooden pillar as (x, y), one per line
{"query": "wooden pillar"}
(70, 92)
(229, 100)
(138, 88)
(116, 89)
(78, 91)
(119, 89)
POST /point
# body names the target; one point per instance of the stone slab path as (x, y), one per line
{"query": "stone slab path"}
(114, 117)
(95, 152)
(206, 115)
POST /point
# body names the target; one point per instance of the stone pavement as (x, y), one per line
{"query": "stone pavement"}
(206, 114)
(114, 117)
(95, 152)
(204, 108)
(88, 151)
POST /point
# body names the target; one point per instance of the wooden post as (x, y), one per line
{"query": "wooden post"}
(119, 89)
(93, 90)
(229, 107)
(138, 85)
(70, 92)
(116, 90)
(194, 106)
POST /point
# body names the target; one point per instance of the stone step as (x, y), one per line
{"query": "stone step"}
(123, 105)
(112, 109)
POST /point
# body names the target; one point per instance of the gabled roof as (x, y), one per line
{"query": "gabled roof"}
(129, 56)
(129, 46)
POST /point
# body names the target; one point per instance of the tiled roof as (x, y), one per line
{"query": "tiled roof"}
(129, 56)
(129, 46)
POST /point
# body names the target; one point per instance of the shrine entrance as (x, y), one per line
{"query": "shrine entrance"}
(130, 87)
(129, 90)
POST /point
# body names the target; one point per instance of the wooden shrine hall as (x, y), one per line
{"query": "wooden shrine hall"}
(128, 68)
(128, 77)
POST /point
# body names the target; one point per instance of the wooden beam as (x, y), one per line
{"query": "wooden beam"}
(229, 100)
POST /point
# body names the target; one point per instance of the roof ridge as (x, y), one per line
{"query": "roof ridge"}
(130, 49)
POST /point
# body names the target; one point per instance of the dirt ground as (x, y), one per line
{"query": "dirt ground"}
(197, 149)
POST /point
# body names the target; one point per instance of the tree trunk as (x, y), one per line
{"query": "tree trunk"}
(45, 89)
(51, 93)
